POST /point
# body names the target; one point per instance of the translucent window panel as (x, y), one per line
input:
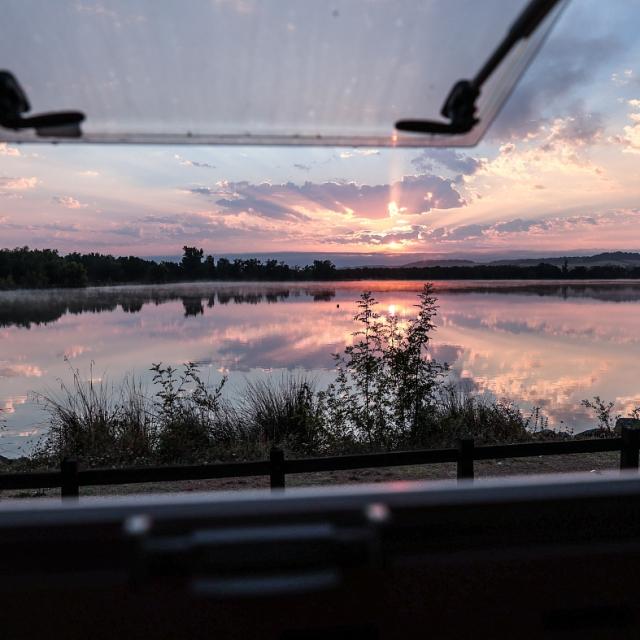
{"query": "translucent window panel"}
(267, 72)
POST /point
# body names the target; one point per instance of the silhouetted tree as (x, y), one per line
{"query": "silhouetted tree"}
(192, 261)
(209, 270)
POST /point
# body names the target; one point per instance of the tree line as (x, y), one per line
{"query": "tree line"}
(42, 268)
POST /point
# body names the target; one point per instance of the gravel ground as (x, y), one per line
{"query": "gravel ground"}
(591, 462)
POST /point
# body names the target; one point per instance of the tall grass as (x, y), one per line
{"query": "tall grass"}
(91, 419)
(285, 412)
(460, 414)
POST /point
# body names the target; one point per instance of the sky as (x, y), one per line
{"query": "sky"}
(558, 172)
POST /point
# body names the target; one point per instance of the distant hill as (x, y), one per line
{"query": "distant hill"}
(441, 263)
(617, 258)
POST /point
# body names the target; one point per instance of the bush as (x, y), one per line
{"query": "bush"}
(194, 421)
(387, 382)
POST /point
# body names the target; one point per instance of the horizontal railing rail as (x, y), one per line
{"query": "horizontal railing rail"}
(70, 477)
(133, 475)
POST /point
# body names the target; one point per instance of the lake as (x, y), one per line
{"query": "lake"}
(545, 344)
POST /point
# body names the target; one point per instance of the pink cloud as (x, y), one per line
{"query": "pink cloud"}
(69, 203)
(6, 150)
(19, 184)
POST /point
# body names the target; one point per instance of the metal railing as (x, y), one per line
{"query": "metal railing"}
(71, 477)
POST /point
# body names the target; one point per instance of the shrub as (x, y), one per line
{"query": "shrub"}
(605, 415)
(193, 419)
(387, 382)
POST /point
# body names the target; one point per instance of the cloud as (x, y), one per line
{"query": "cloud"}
(517, 226)
(96, 9)
(59, 226)
(8, 370)
(99, 11)
(69, 203)
(203, 191)
(19, 184)
(358, 153)
(9, 405)
(594, 228)
(74, 351)
(589, 225)
(450, 159)
(410, 196)
(193, 163)
(630, 138)
(566, 64)
(557, 146)
(89, 173)
(302, 167)
(620, 79)
(582, 129)
(264, 200)
(402, 235)
(6, 150)
(128, 230)
(465, 232)
(181, 226)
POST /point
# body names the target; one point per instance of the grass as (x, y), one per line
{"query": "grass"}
(285, 412)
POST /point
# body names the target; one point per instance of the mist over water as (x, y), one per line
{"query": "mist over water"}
(544, 344)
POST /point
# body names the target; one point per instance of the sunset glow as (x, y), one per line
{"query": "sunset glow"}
(558, 172)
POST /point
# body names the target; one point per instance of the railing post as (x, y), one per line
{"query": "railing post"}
(276, 457)
(465, 458)
(629, 452)
(69, 487)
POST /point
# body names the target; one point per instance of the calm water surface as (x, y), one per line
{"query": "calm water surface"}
(539, 344)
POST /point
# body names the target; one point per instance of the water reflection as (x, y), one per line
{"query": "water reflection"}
(541, 344)
(27, 308)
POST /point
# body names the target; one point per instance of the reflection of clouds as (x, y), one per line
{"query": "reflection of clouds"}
(626, 404)
(282, 346)
(449, 353)
(548, 392)
(558, 398)
(8, 370)
(74, 351)
(8, 405)
(545, 373)
(548, 353)
(587, 324)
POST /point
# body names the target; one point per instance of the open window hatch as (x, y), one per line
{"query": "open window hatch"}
(329, 72)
